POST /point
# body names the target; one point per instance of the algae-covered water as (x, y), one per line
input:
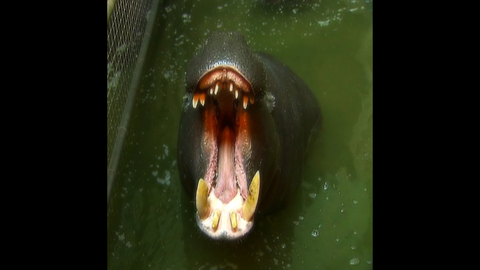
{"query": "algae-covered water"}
(150, 222)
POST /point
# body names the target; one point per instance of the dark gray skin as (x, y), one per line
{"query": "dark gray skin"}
(281, 119)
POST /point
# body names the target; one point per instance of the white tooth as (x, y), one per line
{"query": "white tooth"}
(195, 101)
(211, 91)
(245, 102)
(231, 87)
(202, 101)
(236, 94)
(216, 88)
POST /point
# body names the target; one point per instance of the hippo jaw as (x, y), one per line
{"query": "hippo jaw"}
(225, 202)
(230, 220)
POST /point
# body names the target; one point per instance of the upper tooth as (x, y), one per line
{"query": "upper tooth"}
(195, 101)
(231, 87)
(236, 94)
(245, 101)
(216, 88)
(211, 90)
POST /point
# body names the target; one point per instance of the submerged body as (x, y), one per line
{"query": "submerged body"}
(244, 131)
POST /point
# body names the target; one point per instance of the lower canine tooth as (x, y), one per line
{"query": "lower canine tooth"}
(248, 208)
(201, 199)
(216, 218)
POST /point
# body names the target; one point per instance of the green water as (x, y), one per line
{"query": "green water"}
(150, 223)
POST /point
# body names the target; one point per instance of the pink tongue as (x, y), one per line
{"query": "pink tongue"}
(226, 187)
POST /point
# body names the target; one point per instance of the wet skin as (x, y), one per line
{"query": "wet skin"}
(244, 130)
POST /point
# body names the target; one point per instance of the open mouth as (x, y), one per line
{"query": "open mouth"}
(224, 201)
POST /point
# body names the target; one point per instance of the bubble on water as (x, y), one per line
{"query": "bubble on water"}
(323, 23)
(186, 18)
(354, 261)
(325, 186)
(166, 180)
(355, 202)
(166, 74)
(315, 233)
(165, 149)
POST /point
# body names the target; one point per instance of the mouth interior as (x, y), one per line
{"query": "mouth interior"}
(226, 179)
(225, 95)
